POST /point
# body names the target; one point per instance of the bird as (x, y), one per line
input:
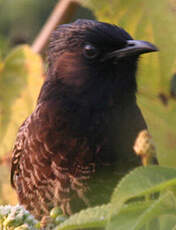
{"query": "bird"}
(85, 121)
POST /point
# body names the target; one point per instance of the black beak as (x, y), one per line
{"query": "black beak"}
(133, 47)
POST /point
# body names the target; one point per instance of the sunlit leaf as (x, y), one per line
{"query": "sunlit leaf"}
(133, 216)
(167, 222)
(142, 181)
(136, 220)
(20, 82)
(89, 218)
(98, 216)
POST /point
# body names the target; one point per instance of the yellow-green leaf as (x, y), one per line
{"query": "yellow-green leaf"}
(20, 82)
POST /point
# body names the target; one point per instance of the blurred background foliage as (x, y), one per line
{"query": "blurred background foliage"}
(22, 19)
(21, 70)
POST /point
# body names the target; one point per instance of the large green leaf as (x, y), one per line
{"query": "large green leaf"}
(167, 222)
(98, 217)
(20, 82)
(152, 21)
(139, 214)
(140, 182)
(166, 204)
(90, 218)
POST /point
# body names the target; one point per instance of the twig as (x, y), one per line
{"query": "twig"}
(62, 13)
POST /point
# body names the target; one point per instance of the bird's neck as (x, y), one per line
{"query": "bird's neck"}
(84, 109)
(97, 95)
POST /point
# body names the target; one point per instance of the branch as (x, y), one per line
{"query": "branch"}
(62, 13)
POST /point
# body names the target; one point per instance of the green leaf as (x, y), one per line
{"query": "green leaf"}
(98, 216)
(164, 205)
(128, 215)
(142, 181)
(132, 216)
(20, 82)
(167, 221)
(88, 218)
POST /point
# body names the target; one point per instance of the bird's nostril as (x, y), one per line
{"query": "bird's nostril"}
(131, 44)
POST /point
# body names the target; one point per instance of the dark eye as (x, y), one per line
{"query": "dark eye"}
(90, 51)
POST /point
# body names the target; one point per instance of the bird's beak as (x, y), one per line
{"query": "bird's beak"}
(133, 47)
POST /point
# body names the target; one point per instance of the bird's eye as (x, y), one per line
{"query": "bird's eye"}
(90, 51)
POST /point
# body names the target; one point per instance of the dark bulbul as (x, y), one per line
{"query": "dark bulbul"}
(85, 122)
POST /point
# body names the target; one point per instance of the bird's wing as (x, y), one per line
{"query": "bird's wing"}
(33, 145)
(42, 163)
(17, 152)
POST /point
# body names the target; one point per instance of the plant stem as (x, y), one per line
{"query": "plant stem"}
(62, 13)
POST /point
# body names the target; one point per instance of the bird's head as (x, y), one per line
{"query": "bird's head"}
(91, 53)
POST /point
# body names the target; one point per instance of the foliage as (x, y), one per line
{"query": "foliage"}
(152, 21)
(16, 21)
(143, 199)
(20, 81)
(146, 197)
(4, 46)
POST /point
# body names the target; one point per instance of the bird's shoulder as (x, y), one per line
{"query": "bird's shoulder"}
(17, 150)
(32, 133)
(43, 141)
